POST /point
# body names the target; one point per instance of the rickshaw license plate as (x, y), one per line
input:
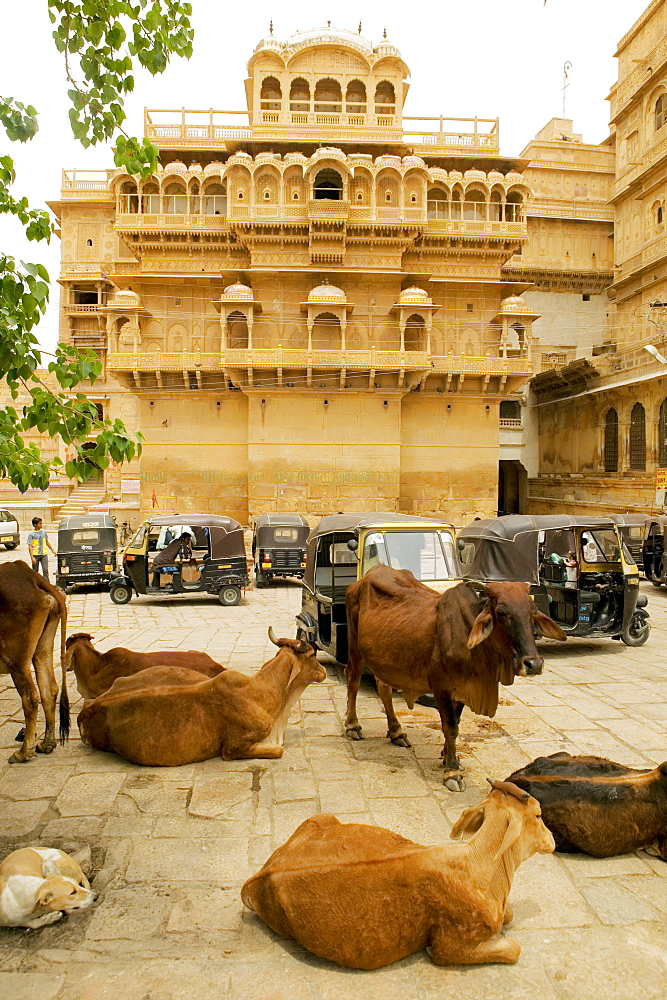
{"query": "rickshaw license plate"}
(6, 538)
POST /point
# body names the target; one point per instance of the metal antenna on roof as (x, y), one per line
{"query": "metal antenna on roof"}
(359, 32)
(271, 27)
(384, 33)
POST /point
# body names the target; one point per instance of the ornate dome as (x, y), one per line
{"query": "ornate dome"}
(125, 296)
(414, 296)
(327, 293)
(238, 291)
(329, 34)
(515, 304)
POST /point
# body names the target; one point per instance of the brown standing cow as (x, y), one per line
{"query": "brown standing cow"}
(30, 609)
(457, 645)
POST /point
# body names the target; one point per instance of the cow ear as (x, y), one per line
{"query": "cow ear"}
(469, 822)
(481, 628)
(548, 627)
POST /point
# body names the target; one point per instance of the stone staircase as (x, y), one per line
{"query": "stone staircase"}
(89, 494)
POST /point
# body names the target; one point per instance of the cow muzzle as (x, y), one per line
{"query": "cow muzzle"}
(530, 666)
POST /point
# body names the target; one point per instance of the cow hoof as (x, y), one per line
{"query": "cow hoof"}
(46, 746)
(18, 757)
(354, 733)
(455, 783)
(400, 740)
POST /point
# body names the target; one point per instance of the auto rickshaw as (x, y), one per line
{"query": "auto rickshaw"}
(345, 546)
(87, 546)
(218, 564)
(653, 552)
(579, 570)
(633, 530)
(279, 546)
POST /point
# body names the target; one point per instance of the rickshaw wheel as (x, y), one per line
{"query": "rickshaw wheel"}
(229, 596)
(260, 580)
(120, 594)
(656, 583)
(636, 635)
(10, 545)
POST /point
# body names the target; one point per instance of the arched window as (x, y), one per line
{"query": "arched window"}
(270, 95)
(660, 111)
(662, 435)
(329, 185)
(514, 207)
(415, 334)
(175, 199)
(326, 334)
(436, 204)
(496, 207)
(328, 95)
(355, 98)
(638, 437)
(299, 95)
(456, 205)
(129, 201)
(150, 198)
(237, 327)
(611, 441)
(214, 200)
(474, 206)
(385, 100)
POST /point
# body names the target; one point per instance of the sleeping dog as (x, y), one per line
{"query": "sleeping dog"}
(39, 885)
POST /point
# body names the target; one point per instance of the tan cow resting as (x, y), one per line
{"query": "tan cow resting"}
(363, 897)
(30, 609)
(95, 672)
(166, 716)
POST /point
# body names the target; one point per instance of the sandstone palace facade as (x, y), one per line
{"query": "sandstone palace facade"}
(320, 304)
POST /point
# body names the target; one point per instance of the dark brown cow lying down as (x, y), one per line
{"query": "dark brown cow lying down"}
(95, 672)
(365, 897)
(166, 716)
(596, 806)
(458, 645)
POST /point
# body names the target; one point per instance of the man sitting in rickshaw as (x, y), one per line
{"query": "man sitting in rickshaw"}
(178, 549)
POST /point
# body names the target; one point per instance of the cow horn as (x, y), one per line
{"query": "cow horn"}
(510, 789)
(302, 647)
(272, 636)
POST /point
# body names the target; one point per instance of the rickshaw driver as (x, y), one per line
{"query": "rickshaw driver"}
(180, 547)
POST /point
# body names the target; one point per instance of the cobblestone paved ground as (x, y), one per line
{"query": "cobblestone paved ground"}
(171, 847)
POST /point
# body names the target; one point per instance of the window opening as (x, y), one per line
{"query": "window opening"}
(611, 441)
(638, 437)
(328, 185)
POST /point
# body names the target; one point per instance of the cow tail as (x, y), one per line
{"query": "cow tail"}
(63, 705)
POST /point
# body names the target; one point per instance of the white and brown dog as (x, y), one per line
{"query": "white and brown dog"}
(40, 885)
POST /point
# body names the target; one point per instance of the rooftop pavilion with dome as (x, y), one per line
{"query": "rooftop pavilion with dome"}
(317, 300)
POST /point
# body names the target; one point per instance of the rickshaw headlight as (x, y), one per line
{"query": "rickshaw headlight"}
(64, 569)
(633, 581)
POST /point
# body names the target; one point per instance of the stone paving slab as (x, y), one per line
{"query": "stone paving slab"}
(171, 847)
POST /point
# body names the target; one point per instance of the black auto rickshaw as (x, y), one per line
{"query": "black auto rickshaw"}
(653, 552)
(579, 570)
(87, 546)
(279, 546)
(345, 546)
(217, 566)
(633, 530)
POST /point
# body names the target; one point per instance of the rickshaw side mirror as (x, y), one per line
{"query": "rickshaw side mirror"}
(461, 544)
(352, 544)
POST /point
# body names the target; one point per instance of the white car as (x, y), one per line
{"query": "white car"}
(9, 530)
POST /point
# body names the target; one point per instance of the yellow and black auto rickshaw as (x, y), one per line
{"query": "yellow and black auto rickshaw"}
(217, 563)
(579, 570)
(345, 546)
(87, 546)
(279, 547)
(633, 528)
(653, 550)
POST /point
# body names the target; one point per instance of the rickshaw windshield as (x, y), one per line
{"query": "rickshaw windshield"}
(600, 546)
(138, 539)
(87, 537)
(427, 554)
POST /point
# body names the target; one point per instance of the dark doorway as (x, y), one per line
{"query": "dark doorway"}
(512, 483)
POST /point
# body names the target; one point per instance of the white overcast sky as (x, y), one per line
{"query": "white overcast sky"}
(490, 59)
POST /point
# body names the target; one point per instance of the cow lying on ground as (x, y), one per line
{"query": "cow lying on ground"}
(457, 645)
(364, 897)
(30, 609)
(167, 716)
(593, 805)
(95, 672)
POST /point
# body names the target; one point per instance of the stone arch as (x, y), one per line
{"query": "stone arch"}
(414, 336)
(299, 94)
(361, 187)
(194, 196)
(214, 198)
(355, 97)
(637, 438)
(271, 94)
(474, 205)
(514, 204)
(150, 196)
(238, 185)
(328, 185)
(388, 188)
(174, 197)
(328, 95)
(267, 183)
(413, 189)
(327, 332)
(177, 338)
(385, 98)
(128, 197)
(294, 188)
(437, 203)
(237, 330)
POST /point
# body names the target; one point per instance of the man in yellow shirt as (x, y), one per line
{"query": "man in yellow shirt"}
(37, 542)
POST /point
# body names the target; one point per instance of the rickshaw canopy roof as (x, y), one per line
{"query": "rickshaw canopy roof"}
(225, 534)
(76, 521)
(632, 519)
(349, 523)
(506, 548)
(266, 525)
